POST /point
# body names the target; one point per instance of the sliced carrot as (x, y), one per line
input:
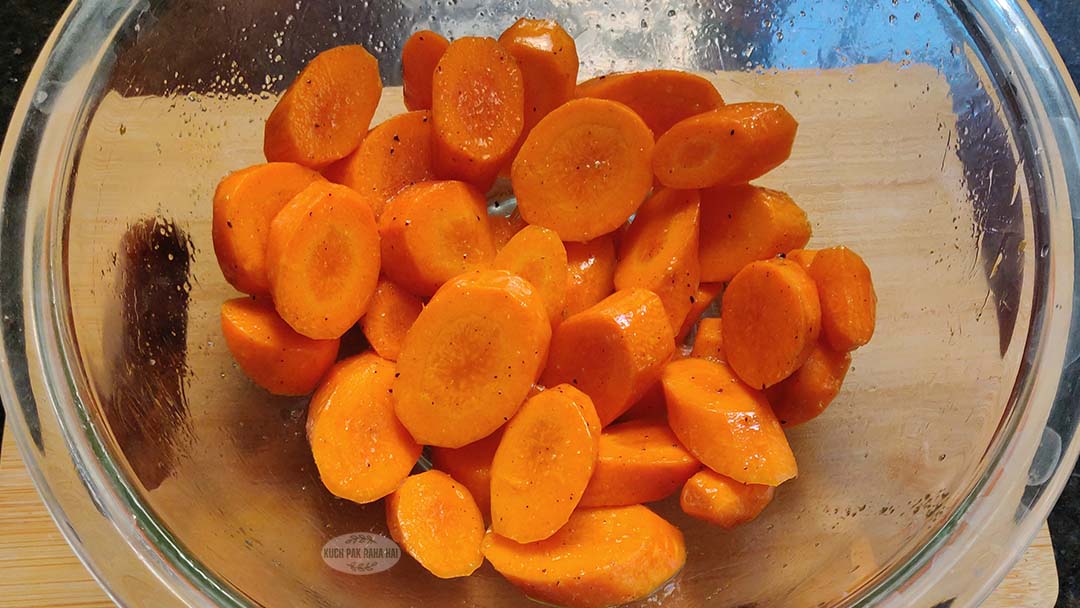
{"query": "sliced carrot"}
(592, 273)
(326, 111)
(848, 301)
(471, 358)
(730, 145)
(723, 501)
(434, 231)
(726, 424)
(651, 405)
(741, 224)
(361, 450)
(543, 464)
(804, 395)
(395, 154)
(772, 319)
(613, 351)
(639, 461)
(419, 56)
(709, 341)
(601, 557)
(584, 169)
(537, 255)
(548, 60)
(391, 313)
(470, 466)
(504, 227)
(700, 302)
(436, 521)
(661, 97)
(802, 257)
(660, 251)
(322, 259)
(478, 104)
(245, 203)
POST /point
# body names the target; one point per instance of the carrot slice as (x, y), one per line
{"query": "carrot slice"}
(709, 341)
(432, 232)
(479, 110)
(471, 357)
(592, 273)
(273, 355)
(584, 169)
(741, 224)
(361, 450)
(639, 461)
(661, 97)
(504, 227)
(601, 557)
(802, 257)
(326, 111)
(543, 464)
(848, 301)
(726, 424)
(395, 154)
(804, 395)
(470, 466)
(391, 313)
(651, 405)
(436, 521)
(660, 251)
(723, 501)
(700, 302)
(727, 146)
(548, 60)
(419, 56)
(322, 259)
(537, 255)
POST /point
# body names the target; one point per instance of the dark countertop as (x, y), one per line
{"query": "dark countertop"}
(25, 25)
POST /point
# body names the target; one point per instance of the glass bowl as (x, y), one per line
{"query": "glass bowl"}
(937, 139)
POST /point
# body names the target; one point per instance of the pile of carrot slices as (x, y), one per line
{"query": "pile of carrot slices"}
(645, 322)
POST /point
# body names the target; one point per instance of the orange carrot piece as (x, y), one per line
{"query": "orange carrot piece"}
(245, 203)
(548, 60)
(584, 169)
(709, 341)
(661, 97)
(419, 56)
(726, 424)
(802, 257)
(804, 395)
(848, 301)
(592, 273)
(471, 358)
(651, 405)
(391, 313)
(504, 227)
(772, 319)
(727, 146)
(601, 557)
(322, 259)
(432, 232)
(326, 111)
(613, 351)
(361, 450)
(639, 461)
(700, 302)
(470, 466)
(543, 464)
(660, 251)
(537, 255)
(436, 521)
(721, 500)
(741, 224)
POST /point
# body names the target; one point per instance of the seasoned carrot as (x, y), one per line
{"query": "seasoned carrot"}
(419, 56)
(660, 251)
(543, 464)
(548, 60)
(478, 105)
(326, 111)
(592, 273)
(361, 450)
(639, 461)
(537, 255)
(727, 146)
(772, 319)
(613, 351)
(723, 501)
(804, 395)
(504, 227)
(432, 232)
(584, 169)
(245, 203)
(661, 97)
(470, 466)
(802, 257)
(848, 301)
(709, 341)
(436, 521)
(727, 425)
(322, 259)
(651, 405)
(395, 154)
(741, 224)
(471, 358)
(700, 302)
(601, 557)
(389, 316)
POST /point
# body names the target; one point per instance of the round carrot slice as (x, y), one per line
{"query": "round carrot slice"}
(709, 341)
(848, 301)
(592, 273)
(639, 461)
(470, 466)
(389, 316)
(804, 395)
(537, 255)
(548, 60)
(661, 97)
(721, 500)
(436, 521)
(419, 56)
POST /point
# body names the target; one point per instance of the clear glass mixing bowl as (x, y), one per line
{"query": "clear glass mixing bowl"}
(938, 139)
